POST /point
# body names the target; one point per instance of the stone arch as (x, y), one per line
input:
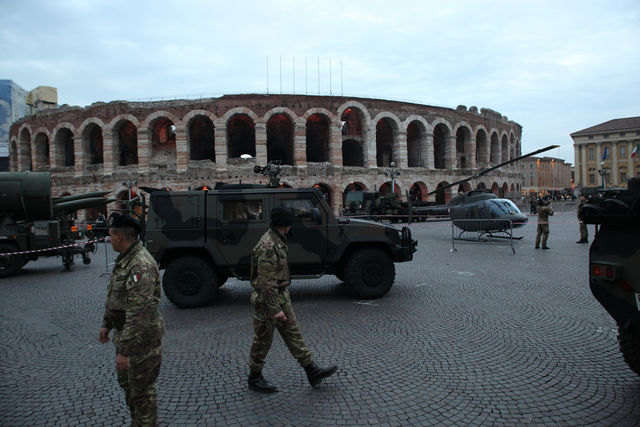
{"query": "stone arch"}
(355, 121)
(161, 128)
(482, 146)
(24, 149)
(495, 188)
(481, 186)
(464, 187)
(385, 189)
(387, 128)
(504, 189)
(441, 138)
(463, 145)
(443, 195)
(416, 128)
(326, 191)
(125, 133)
(495, 148)
(419, 192)
(90, 132)
(42, 149)
(241, 133)
(280, 135)
(318, 135)
(63, 144)
(513, 188)
(504, 153)
(200, 135)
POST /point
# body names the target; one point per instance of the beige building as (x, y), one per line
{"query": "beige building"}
(541, 175)
(607, 148)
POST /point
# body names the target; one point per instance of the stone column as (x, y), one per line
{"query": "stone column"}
(471, 160)
(450, 153)
(369, 148)
(261, 143)
(182, 149)
(144, 150)
(108, 151)
(400, 150)
(300, 144)
(79, 155)
(335, 143)
(427, 152)
(220, 145)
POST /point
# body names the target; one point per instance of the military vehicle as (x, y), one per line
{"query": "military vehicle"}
(614, 262)
(201, 238)
(33, 224)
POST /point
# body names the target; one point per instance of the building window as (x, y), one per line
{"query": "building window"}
(623, 133)
(623, 151)
(623, 176)
(590, 136)
(531, 175)
(606, 136)
(592, 179)
(591, 153)
(530, 165)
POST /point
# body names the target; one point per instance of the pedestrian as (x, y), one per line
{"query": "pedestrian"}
(272, 304)
(131, 310)
(584, 233)
(544, 212)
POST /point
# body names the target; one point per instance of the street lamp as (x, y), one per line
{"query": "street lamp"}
(603, 172)
(393, 173)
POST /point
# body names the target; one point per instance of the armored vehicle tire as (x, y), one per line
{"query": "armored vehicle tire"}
(9, 265)
(630, 348)
(369, 273)
(190, 281)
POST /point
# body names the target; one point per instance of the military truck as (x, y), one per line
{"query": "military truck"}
(33, 224)
(614, 262)
(201, 238)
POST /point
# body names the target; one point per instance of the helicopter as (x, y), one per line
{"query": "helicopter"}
(480, 210)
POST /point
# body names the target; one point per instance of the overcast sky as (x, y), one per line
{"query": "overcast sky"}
(555, 67)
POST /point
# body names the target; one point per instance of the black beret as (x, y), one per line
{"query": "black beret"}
(117, 219)
(281, 216)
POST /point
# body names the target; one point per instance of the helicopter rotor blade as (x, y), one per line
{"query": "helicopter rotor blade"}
(533, 153)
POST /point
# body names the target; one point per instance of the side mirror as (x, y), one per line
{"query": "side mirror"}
(316, 216)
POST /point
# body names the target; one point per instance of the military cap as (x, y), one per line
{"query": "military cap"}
(117, 219)
(281, 216)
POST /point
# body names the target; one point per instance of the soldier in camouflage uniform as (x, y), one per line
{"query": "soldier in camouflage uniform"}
(270, 279)
(584, 233)
(132, 311)
(544, 212)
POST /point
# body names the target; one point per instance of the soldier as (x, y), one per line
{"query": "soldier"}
(544, 212)
(270, 298)
(584, 233)
(132, 311)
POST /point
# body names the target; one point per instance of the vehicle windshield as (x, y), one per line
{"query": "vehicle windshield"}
(503, 206)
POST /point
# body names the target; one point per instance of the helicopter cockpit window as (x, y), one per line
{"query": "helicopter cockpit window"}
(502, 207)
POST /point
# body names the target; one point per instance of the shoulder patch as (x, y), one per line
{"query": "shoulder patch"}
(135, 278)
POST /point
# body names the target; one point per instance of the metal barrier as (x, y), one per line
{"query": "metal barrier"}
(110, 256)
(502, 230)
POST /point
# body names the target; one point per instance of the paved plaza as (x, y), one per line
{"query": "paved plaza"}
(479, 336)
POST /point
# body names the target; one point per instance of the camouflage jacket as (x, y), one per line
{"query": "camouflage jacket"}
(544, 212)
(270, 269)
(132, 302)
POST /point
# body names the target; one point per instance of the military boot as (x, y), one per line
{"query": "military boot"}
(259, 384)
(315, 374)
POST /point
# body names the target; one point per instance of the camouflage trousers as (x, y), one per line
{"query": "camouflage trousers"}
(543, 231)
(263, 328)
(139, 389)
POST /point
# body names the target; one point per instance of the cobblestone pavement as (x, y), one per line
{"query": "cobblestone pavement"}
(480, 336)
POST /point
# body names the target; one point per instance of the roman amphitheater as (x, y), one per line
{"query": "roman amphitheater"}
(334, 143)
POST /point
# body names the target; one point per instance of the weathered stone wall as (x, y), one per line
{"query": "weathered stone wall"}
(172, 167)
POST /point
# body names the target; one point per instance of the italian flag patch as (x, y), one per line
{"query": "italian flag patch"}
(135, 278)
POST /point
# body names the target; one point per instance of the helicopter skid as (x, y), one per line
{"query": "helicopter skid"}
(487, 235)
